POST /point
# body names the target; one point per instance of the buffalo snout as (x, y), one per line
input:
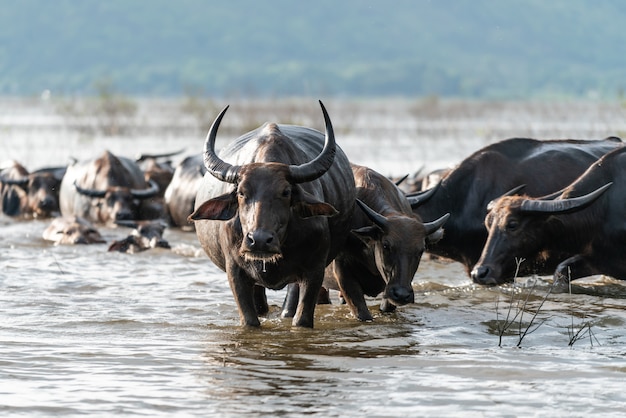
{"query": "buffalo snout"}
(48, 204)
(260, 240)
(400, 295)
(484, 274)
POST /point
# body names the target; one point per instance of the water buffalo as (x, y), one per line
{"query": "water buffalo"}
(27, 194)
(383, 251)
(107, 189)
(180, 195)
(581, 232)
(542, 166)
(157, 168)
(70, 230)
(145, 235)
(277, 215)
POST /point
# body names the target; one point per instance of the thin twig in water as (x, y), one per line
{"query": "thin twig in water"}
(585, 328)
(521, 304)
(507, 321)
(58, 264)
(528, 329)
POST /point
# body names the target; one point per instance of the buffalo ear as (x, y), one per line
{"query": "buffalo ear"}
(367, 233)
(306, 206)
(221, 208)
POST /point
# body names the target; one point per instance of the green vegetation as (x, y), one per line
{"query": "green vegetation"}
(358, 48)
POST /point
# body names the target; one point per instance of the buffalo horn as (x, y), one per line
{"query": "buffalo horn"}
(374, 216)
(143, 157)
(90, 192)
(22, 181)
(127, 223)
(400, 180)
(562, 205)
(146, 193)
(511, 192)
(436, 224)
(419, 198)
(214, 164)
(317, 167)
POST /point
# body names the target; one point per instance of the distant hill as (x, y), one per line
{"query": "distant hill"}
(346, 48)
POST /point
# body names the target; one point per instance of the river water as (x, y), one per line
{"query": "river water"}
(84, 332)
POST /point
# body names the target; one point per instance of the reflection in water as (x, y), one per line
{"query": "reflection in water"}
(278, 368)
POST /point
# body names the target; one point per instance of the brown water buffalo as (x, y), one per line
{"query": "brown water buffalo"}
(70, 230)
(157, 168)
(278, 213)
(107, 189)
(383, 252)
(180, 195)
(27, 194)
(544, 167)
(145, 235)
(582, 232)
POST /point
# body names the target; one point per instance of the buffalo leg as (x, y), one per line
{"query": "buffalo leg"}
(260, 301)
(352, 292)
(574, 268)
(290, 304)
(243, 287)
(309, 289)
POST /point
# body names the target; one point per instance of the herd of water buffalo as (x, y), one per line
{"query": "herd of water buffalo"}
(283, 206)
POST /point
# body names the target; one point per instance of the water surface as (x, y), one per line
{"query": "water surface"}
(87, 332)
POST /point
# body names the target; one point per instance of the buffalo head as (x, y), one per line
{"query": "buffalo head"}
(116, 202)
(517, 227)
(266, 195)
(397, 243)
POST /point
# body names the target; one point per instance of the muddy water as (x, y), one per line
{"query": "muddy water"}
(87, 332)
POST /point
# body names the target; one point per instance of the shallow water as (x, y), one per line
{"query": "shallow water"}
(87, 332)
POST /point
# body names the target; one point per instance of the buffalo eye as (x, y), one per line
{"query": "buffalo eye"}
(286, 192)
(386, 246)
(512, 224)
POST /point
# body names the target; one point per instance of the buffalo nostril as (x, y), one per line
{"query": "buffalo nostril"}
(260, 240)
(480, 273)
(401, 295)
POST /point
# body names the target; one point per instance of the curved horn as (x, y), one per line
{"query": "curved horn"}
(127, 223)
(374, 216)
(562, 205)
(22, 181)
(401, 179)
(90, 192)
(142, 157)
(511, 192)
(214, 164)
(436, 224)
(419, 198)
(317, 167)
(152, 191)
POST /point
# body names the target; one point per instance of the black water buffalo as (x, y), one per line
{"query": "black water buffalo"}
(582, 232)
(145, 235)
(542, 166)
(180, 195)
(107, 189)
(278, 215)
(383, 252)
(70, 230)
(27, 194)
